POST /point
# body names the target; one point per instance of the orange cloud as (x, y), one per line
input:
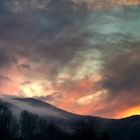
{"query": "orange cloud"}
(73, 98)
(12, 85)
(108, 4)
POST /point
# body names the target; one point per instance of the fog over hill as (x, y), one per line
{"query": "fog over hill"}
(17, 105)
(117, 129)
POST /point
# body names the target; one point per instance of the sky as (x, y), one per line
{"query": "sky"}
(80, 55)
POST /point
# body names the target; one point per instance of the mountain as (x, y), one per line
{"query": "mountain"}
(31, 119)
(124, 129)
(34, 119)
(35, 106)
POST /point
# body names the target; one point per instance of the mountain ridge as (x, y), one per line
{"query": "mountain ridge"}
(123, 129)
(39, 103)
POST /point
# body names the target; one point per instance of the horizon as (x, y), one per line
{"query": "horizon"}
(9, 97)
(82, 56)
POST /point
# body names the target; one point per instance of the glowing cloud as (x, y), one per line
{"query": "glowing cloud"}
(129, 112)
(80, 55)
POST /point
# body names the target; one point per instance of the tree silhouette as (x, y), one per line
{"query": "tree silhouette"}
(34, 127)
(85, 130)
(6, 119)
(28, 125)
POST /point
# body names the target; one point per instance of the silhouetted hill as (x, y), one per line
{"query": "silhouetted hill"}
(28, 118)
(124, 129)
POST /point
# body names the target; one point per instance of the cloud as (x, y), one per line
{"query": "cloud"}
(72, 48)
(6, 58)
(46, 35)
(53, 98)
(121, 78)
(4, 79)
(53, 36)
(122, 73)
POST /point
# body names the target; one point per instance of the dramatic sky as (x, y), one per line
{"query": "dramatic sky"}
(80, 55)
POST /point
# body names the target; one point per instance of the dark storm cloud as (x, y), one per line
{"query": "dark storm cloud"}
(4, 78)
(6, 57)
(25, 66)
(51, 34)
(60, 41)
(122, 72)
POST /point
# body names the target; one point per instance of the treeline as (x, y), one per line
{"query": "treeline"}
(32, 127)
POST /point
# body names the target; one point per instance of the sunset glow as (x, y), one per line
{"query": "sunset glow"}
(82, 56)
(129, 112)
